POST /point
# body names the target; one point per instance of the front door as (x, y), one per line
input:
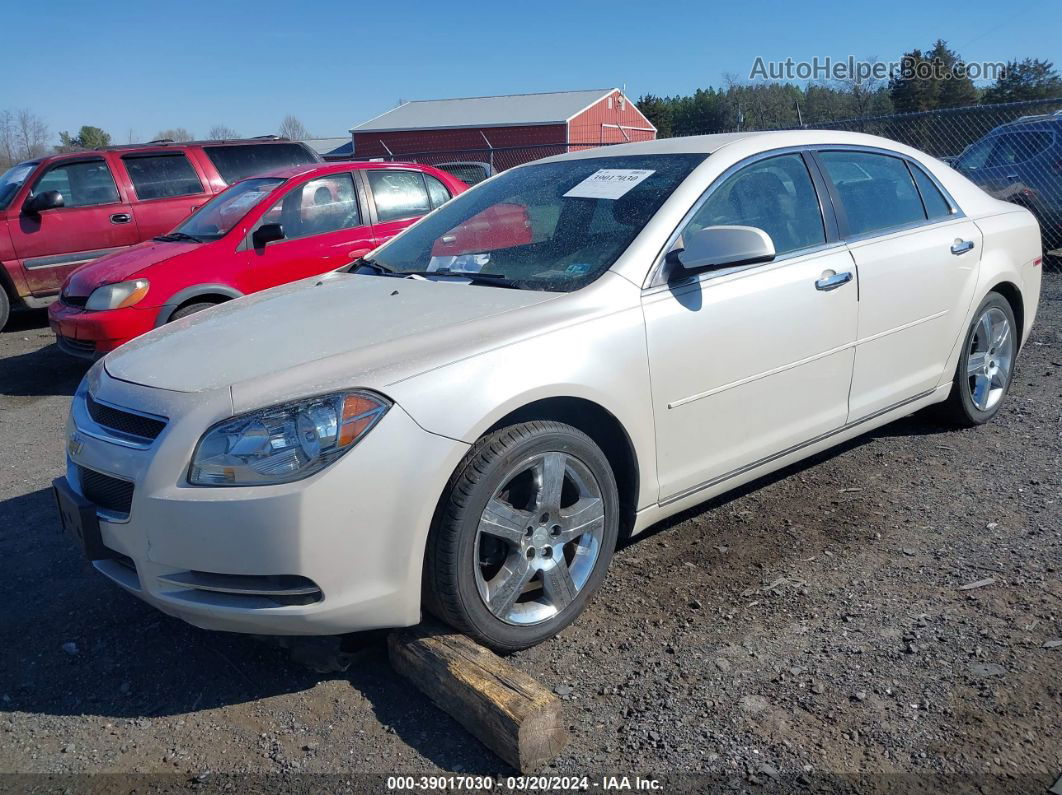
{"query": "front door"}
(92, 222)
(748, 363)
(324, 229)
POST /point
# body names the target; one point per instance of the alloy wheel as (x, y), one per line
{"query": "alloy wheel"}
(990, 359)
(539, 538)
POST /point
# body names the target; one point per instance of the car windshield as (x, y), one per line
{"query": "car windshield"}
(550, 226)
(214, 219)
(12, 180)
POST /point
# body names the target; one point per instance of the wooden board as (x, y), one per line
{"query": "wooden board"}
(508, 711)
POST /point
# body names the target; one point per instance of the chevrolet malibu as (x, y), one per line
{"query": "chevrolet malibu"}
(470, 417)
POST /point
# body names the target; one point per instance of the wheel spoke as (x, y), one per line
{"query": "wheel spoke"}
(508, 584)
(982, 385)
(984, 331)
(558, 585)
(976, 363)
(504, 522)
(585, 516)
(1000, 333)
(549, 477)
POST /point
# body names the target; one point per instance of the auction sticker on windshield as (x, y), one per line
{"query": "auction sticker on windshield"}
(608, 183)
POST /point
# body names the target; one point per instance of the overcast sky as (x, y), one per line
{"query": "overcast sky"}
(133, 71)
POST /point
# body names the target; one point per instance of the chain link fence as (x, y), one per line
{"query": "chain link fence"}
(1013, 151)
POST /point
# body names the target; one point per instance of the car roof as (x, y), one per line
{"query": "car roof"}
(319, 169)
(760, 140)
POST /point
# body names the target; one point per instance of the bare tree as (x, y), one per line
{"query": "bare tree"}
(176, 134)
(219, 132)
(293, 129)
(23, 134)
(862, 88)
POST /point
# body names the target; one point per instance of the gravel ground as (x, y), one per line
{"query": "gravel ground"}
(809, 631)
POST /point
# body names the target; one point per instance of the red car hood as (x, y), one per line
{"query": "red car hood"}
(123, 265)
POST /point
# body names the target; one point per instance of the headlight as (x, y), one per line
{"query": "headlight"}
(284, 443)
(118, 295)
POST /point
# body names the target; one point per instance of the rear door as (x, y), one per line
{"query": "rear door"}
(916, 257)
(324, 229)
(399, 197)
(95, 220)
(167, 187)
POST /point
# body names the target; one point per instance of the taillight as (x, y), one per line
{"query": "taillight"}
(1038, 261)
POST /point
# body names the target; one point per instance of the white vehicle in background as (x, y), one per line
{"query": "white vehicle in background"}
(472, 416)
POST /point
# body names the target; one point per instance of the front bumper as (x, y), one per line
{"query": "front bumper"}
(89, 335)
(338, 552)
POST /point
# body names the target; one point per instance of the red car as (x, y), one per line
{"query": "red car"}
(263, 231)
(62, 211)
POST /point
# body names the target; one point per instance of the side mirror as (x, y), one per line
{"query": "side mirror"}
(48, 200)
(720, 247)
(267, 233)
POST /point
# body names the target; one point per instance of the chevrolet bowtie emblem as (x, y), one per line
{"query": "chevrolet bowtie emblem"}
(74, 444)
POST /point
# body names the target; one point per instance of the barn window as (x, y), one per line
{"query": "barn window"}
(623, 103)
(610, 103)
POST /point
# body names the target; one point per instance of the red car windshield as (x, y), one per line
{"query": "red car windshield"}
(214, 219)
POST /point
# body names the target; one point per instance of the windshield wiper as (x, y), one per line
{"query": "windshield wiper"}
(175, 237)
(372, 264)
(497, 279)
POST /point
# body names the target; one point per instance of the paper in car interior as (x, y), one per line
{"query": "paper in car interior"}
(608, 183)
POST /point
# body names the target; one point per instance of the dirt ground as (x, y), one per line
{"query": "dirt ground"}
(808, 632)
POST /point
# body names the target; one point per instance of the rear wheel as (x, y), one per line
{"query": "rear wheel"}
(190, 309)
(986, 365)
(525, 535)
(5, 307)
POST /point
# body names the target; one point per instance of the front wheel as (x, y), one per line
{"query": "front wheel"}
(986, 364)
(524, 535)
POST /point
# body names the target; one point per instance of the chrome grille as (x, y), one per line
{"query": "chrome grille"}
(124, 421)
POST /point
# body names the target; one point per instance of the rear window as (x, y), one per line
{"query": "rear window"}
(235, 162)
(162, 176)
(468, 173)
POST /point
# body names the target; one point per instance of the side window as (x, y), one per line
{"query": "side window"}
(876, 191)
(237, 161)
(83, 183)
(775, 195)
(1018, 147)
(437, 192)
(398, 194)
(326, 204)
(936, 205)
(162, 176)
(976, 155)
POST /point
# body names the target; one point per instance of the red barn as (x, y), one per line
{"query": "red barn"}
(503, 130)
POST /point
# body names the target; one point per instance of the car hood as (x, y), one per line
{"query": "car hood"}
(374, 330)
(123, 265)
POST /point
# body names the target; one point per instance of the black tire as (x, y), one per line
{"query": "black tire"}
(190, 309)
(5, 307)
(960, 408)
(452, 560)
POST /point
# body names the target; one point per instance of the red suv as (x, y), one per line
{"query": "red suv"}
(285, 225)
(62, 211)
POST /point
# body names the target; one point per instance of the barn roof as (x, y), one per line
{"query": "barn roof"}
(510, 110)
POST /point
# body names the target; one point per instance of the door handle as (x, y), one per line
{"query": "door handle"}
(121, 218)
(833, 280)
(1012, 177)
(961, 246)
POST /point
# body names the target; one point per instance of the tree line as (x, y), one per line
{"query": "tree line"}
(744, 106)
(24, 136)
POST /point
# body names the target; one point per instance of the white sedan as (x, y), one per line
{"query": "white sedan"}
(469, 418)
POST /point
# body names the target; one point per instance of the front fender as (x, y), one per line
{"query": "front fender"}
(603, 360)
